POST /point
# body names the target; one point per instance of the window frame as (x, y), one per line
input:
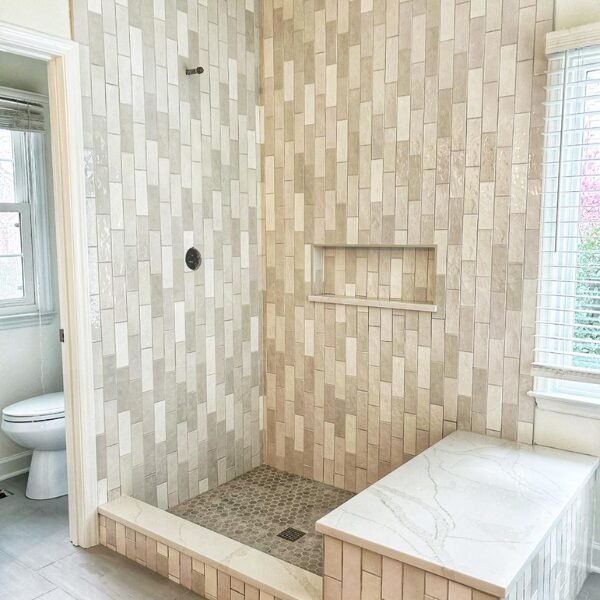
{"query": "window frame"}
(31, 202)
(559, 389)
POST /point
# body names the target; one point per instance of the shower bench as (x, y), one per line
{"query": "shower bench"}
(471, 518)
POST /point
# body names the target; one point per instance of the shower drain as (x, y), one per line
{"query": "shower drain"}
(291, 535)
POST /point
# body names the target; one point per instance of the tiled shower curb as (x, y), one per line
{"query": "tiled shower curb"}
(206, 562)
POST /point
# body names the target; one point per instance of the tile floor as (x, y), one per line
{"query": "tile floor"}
(38, 561)
(591, 588)
(256, 507)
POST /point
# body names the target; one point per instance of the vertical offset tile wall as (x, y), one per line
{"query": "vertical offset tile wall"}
(400, 122)
(171, 162)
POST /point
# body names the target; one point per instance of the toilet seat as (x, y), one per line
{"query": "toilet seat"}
(48, 407)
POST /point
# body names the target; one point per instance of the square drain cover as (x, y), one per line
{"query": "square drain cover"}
(291, 535)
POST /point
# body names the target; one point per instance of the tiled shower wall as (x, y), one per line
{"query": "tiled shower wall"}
(400, 122)
(171, 162)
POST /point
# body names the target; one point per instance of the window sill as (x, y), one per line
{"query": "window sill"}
(567, 404)
(26, 319)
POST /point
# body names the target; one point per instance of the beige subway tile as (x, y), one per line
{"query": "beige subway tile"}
(210, 582)
(332, 588)
(351, 571)
(121, 544)
(223, 586)
(174, 566)
(185, 571)
(436, 587)
(371, 562)
(456, 591)
(391, 579)
(413, 583)
(371, 586)
(332, 557)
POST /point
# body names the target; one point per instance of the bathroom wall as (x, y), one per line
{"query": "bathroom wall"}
(415, 122)
(49, 16)
(571, 14)
(31, 356)
(171, 161)
(22, 73)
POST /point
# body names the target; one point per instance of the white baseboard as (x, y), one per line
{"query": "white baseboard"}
(16, 464)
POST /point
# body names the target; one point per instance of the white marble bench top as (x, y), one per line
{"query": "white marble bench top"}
(471, 508)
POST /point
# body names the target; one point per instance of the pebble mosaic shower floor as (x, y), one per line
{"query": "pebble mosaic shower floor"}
(254, 508)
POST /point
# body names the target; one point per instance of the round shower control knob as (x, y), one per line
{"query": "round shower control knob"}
(193, 259)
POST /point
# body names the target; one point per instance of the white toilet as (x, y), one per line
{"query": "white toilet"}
(39, 424)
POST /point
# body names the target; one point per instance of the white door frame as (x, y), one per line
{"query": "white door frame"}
(64, 91)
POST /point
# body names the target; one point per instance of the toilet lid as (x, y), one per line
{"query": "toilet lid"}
(39, 407)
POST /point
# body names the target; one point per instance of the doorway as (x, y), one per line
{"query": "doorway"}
(61, 58)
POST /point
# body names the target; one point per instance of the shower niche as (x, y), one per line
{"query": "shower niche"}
(394, 276)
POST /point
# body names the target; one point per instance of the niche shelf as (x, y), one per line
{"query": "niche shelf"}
(399, 277)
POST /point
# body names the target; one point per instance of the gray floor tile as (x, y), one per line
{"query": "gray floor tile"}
(101, 574)
(34, 532)
(18, 582)
(18, 483)
(591, 588)
(41, 563)
(37, 545)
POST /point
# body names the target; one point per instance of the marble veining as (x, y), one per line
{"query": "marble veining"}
(471, 507)
(266, 572)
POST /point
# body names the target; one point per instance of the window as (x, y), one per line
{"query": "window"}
(567, 362)
(25, 293)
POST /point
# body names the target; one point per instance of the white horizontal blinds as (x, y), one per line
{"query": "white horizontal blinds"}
(20, 115)
(568, 325)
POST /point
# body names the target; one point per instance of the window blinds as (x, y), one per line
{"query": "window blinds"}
(19, 115)
(568, 319)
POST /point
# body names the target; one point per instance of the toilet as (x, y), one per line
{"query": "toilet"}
(39, 424)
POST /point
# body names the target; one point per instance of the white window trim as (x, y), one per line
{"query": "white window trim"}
(37, 306)
(575, 37)
(567, 404)
(572, 395)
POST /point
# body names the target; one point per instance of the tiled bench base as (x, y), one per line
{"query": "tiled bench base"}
(209, 564)
(353, 573)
